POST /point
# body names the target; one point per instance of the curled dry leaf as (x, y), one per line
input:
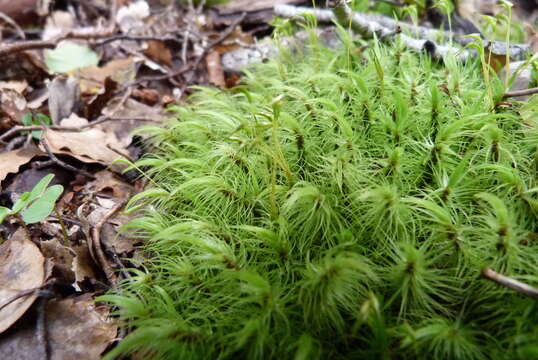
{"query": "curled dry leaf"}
(75, 328)
(12, 160)
(22, 267)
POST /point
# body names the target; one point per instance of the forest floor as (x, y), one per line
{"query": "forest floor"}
(77, 77)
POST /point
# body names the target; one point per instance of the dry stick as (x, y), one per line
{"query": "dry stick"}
(518, 93)
(17, 129)
(96, 240)
(381, 24)
(14, 24)
(41, 324)
(128, 37)
(510, 283)
(48, 44)
(60, 162)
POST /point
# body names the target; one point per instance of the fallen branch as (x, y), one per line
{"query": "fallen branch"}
(17, 47)
(420, 35)
(519, 93)
(510, 283)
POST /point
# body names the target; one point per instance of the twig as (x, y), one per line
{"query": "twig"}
(518, 93)
(17, 129)
(378, 24)
(41, 323)
(60, 162)
(510, 283)
(13, 24)
(13, 48)
(19, 295)
(96, 240)
(137, 38)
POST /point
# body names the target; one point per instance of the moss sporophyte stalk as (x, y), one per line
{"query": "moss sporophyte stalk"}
(339, 206)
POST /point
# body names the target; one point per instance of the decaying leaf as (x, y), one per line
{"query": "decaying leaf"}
(91, 145)
(75, 329)
(214, 69)
(140, 114)
(92, 78)
(14, 105)
(159, 52)
(64, 97)
(21, 268)
(12, 160)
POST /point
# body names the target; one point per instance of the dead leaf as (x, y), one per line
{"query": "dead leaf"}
(83, 265)
(106, 183)
(64, 97)
(14, 105)
(18, 86)
(101, 99)
(92, 78)
(62, 259)
(21, 268)
(159, 52)
(214, 69)
(91, 145)
(147, 96)
(140, 113)
(75, 328)
(12, 160)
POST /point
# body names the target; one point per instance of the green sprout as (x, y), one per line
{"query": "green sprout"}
(34, 206)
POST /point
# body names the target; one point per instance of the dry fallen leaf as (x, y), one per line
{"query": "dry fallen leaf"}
(214, 69)
(21, 268)
(159, 52)
(75, 329)
(14, 105)
(62, 259)
(18, 86)
(12, 160)
(140, 113)
(64, 97)
(91, 145)
(92, 78)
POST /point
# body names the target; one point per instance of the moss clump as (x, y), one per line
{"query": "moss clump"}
(338, 206)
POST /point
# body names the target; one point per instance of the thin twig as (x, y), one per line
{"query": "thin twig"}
(510, 283)
(519, 93)
(17, 129)
(129, 37)
(41, 323)
(13, 48)
(96, 240)
(60, 162)
(13, 24)
(19, 295)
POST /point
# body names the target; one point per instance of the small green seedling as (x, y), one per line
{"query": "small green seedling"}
(29, 119)
(36, 205)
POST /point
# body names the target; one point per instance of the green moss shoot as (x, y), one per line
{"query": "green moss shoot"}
(338, 206)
